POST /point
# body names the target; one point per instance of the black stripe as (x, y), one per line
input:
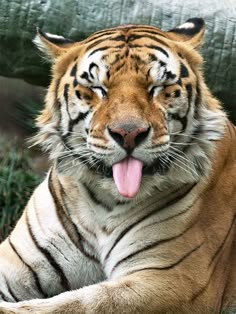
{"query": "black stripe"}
(189, 90)
(94, 198)
(105, 48)
(179, 214)
(73, 122)
(74, 70)
(75, 82)
(177, 93)
(151, 47)
(151, 31)
(97, 42)
(78, 95)
(120, 66)
(198, 98)
(183, 71)
(117, 59)
(146, 28)
(3, 297)
(58, 103)
(151, 246)
(172, 265)
(98, 202)
(49, 257)
(99, 88)
(201, 290)
(134, 37)
(153, 212)
(67, 145)
(128, 28)
(101, 146)
(85, 76)
(91, 66)
(67, 224)
(104, 32)
(34, 274)
(153, 58)
(162, 64)
(148, 74)
(94, 37)
(159, 49)
(11, 293)
(71, 229)
(118, 38)
(182, 120)
(179, 82)
(59, 250)
(170, 75)
(82, 240)
(223, 242)
(138, 59)
(65, 93)
(198, 94)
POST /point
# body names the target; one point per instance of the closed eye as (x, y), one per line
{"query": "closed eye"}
(100, 91)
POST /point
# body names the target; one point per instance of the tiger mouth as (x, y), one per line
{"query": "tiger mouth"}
(126, 173)
(157, 167)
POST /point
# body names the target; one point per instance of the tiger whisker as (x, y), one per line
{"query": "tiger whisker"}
(178, 160)
(190, 137)
(182, 156)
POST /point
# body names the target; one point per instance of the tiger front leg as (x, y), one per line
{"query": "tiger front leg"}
(136, 293)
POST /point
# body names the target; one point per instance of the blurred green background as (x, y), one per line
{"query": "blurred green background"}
(21, 168)
(17, 180)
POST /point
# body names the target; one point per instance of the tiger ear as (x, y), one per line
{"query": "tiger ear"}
(191, 31)
(52, 45)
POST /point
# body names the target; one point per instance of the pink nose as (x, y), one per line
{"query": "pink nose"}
(129, 136)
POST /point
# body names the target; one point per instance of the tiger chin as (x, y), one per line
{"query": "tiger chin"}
(137, 213)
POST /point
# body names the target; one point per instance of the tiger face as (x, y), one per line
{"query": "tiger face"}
(129, 106)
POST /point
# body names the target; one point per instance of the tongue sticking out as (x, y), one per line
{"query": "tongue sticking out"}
(127, 175)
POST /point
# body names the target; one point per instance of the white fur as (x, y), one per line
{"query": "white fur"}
(186, 25)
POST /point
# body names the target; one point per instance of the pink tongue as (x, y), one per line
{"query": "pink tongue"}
(127, 175)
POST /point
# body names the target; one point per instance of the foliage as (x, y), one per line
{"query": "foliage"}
(17, 181)
(25, 114)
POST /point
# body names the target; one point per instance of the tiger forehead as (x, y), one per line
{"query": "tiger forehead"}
(126, 30)
(126, 37)
(141, 49)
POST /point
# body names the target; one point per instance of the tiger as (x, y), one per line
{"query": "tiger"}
(137, 211)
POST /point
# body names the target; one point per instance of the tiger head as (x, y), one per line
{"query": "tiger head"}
(128, 107)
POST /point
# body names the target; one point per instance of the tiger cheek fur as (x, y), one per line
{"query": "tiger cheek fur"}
(137, 213)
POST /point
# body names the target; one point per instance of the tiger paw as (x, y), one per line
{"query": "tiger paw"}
(5, 309)
(19, 308)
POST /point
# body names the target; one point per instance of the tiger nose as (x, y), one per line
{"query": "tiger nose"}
(129, 136)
